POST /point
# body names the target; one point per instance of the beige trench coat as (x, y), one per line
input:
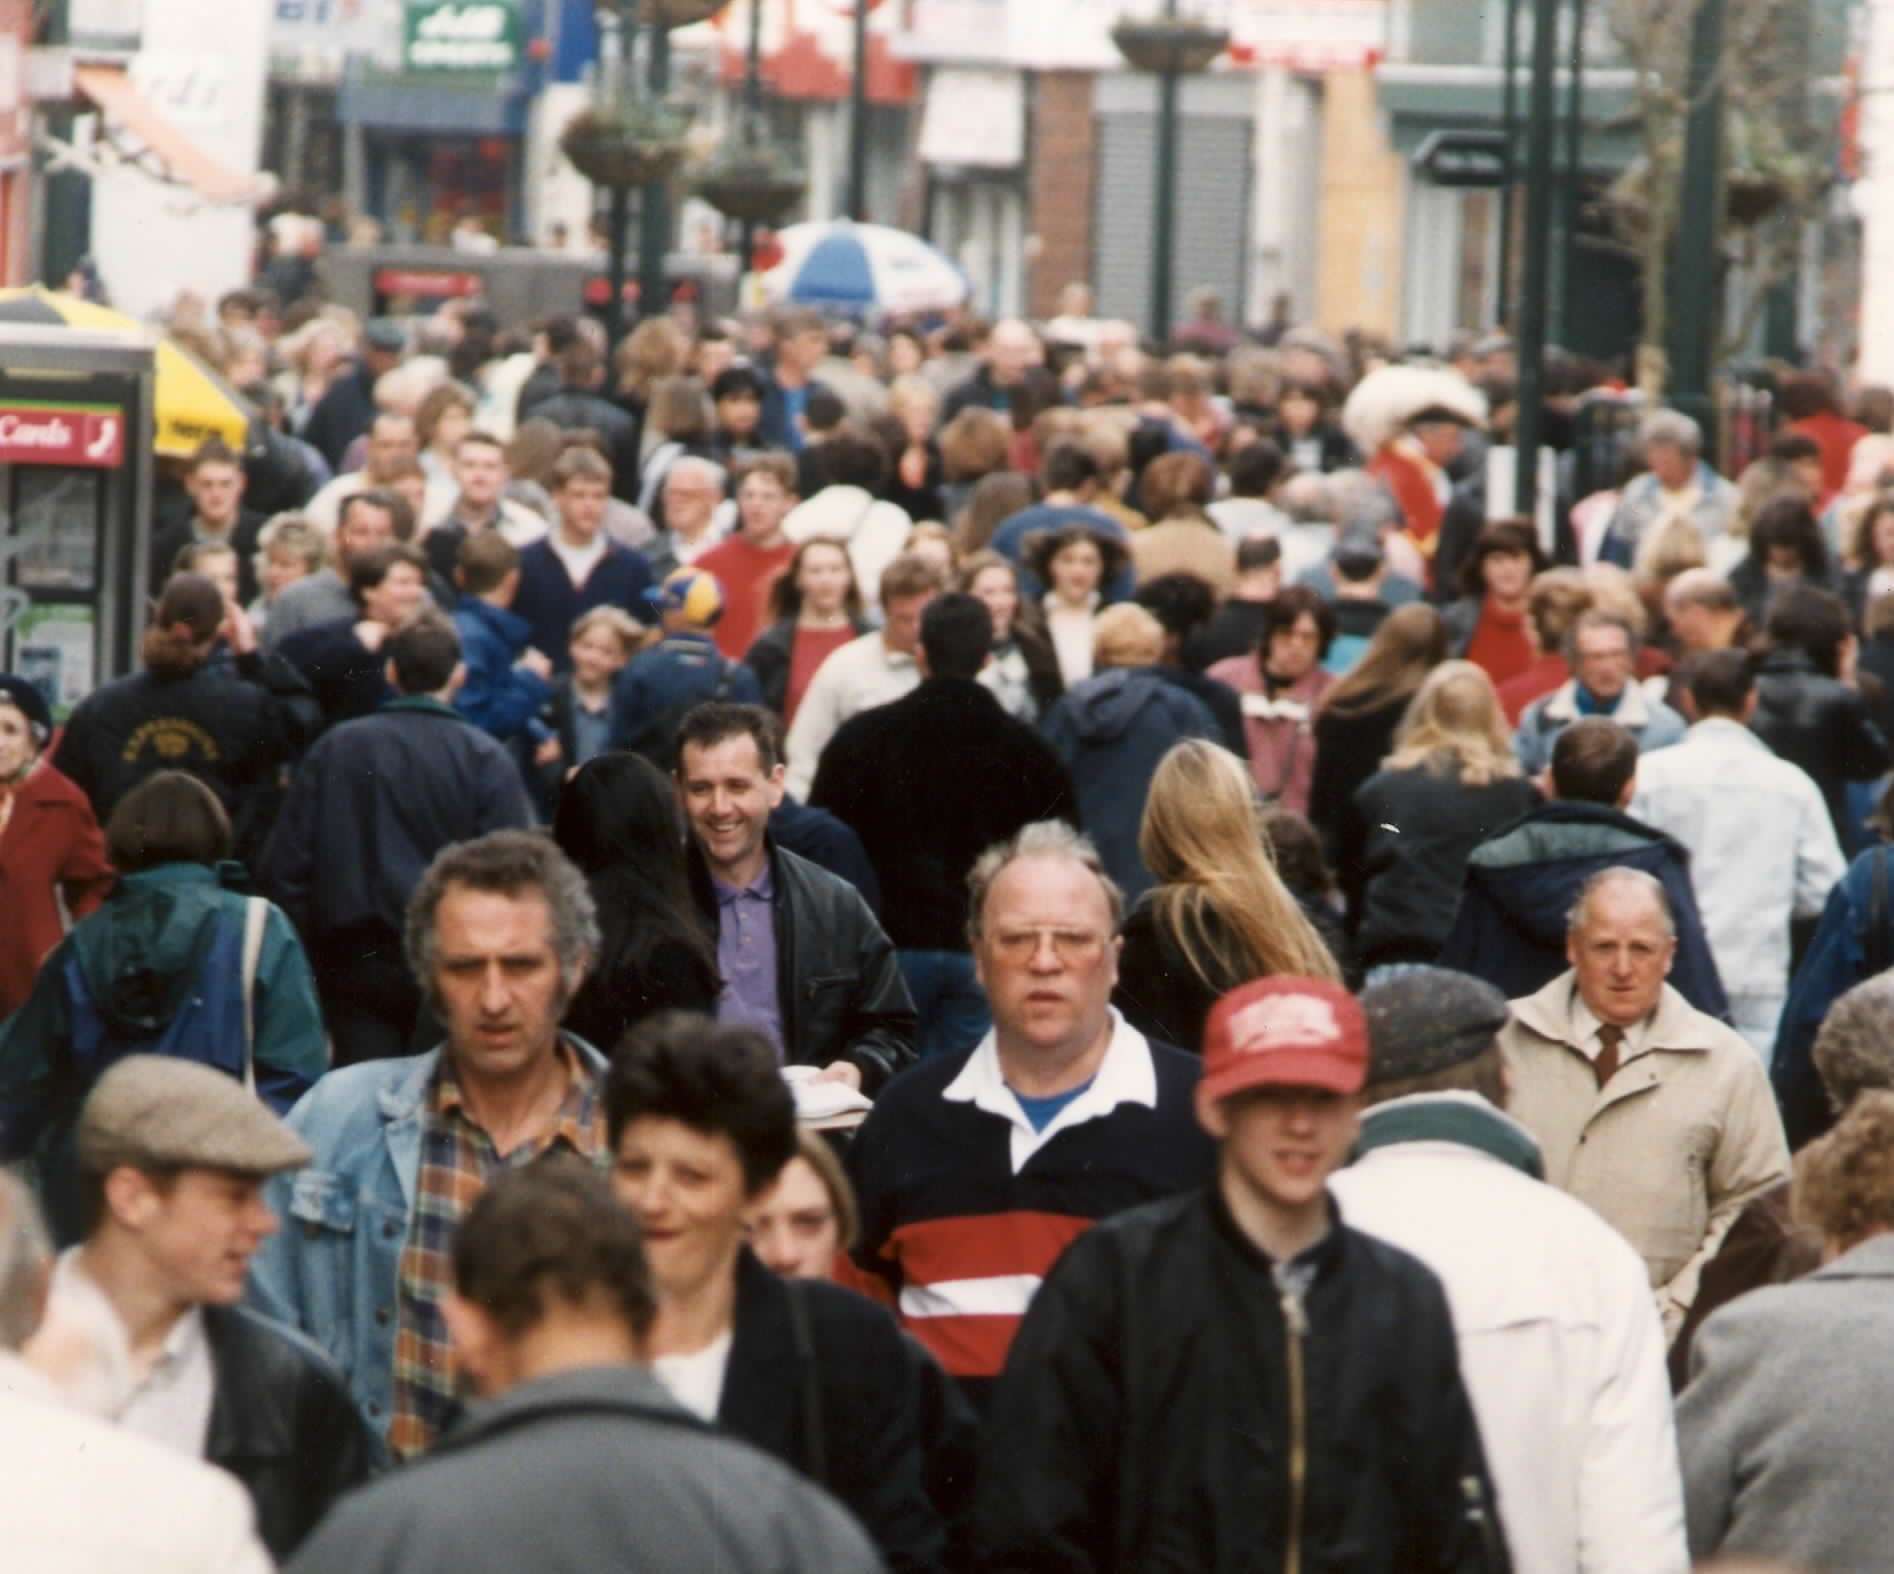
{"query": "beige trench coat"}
(1671, 1151)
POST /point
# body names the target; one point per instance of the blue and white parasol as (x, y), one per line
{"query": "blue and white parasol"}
(862, 267)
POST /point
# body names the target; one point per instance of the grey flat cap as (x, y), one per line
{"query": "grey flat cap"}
(154, 1111)
(1423, 1020)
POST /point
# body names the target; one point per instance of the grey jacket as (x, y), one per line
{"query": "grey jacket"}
(1785, 1427)
(585, 1471)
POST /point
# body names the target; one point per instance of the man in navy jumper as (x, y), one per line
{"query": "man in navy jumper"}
(577, 566)
(976, 1170)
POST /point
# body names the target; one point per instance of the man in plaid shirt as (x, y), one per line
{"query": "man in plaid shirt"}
(500, 932)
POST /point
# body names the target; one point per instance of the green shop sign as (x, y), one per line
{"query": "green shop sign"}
(461, 35)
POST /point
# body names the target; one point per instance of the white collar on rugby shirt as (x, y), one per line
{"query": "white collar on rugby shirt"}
(1127, 1075)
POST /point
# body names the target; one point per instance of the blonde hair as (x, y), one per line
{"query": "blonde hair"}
(1218, 894)
(1126, 636)
(614, 620)
(1666, 552)
(1455, 725)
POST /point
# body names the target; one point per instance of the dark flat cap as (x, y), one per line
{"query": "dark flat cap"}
(155, 1111)
(1424, 1020)
(26, 698)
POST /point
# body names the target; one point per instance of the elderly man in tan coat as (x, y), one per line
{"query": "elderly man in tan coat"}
(1654, 1114)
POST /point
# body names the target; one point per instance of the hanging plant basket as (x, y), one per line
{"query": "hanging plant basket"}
(1173, 46)
(632, 145)
(679, 13)
(751, 184)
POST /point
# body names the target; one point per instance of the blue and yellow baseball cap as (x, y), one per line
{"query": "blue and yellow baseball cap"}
(692, 592)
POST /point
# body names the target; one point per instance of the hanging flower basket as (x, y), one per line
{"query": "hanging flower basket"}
(629, 145)
(1174, 46)
(679, 13)
(751, 184)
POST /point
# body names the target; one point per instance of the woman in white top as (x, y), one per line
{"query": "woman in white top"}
(1073, 563)
(701, 1123)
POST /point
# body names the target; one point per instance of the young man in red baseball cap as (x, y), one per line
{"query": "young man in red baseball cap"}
(1234, 1379)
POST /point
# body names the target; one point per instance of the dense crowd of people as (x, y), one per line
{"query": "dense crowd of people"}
(962, 947)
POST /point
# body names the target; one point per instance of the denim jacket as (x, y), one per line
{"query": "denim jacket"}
(330, 1270)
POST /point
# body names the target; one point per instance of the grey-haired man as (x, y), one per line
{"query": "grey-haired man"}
(500, 933)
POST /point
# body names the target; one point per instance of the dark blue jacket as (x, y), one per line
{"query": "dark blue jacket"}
(774, 427)
(1522, 881)
(1841, 955)
(498, 697)
(550, 603)
(651, 696)
(825, 841)
(349, 679)
(1110, 732)
(373, 802)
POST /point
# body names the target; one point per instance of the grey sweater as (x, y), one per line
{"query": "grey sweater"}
(1788, 1420)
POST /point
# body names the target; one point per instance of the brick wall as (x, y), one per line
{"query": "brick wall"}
(1064, 167)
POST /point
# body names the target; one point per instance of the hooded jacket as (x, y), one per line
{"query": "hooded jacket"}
(1521, 882)
(167, 939)
(1111, 732)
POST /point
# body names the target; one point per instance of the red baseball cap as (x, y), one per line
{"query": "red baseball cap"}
(1285, 1032)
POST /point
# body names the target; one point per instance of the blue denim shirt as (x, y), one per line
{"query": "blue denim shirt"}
(330, 1270)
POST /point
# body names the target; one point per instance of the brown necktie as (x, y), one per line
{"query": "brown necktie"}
(1609, 1038)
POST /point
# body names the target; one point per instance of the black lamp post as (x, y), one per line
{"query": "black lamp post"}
(748, 179)
(1535, 287)
(1694, 264)
(1168, 47)
(858, 120)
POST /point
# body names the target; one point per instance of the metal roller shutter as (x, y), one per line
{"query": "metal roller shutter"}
(1213, 199)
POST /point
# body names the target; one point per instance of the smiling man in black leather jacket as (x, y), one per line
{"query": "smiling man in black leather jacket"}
(803, 959)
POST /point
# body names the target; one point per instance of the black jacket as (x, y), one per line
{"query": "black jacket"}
(769, 656)
(579, 409)
(1159, 992)
(283, 1423)
(1147, 1422)
(233, 728)
(1820, 724)
(1223, 702)
(1349, 748)
(168, 542)
(1420, 826)
(348, 679)
(908, 766)
(837, 981)
(341, 415)
(373, 803)
(825, 1381)
(825, 841)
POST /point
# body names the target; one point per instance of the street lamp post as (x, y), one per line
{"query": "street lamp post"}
(654, 202)
(1694, 265)
(752, 121)
(1509, 112)
(1574, 174)
(858, 120)
(1169, 48)
(1534, 292)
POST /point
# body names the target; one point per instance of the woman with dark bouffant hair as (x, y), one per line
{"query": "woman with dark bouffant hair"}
(815, 608)
(618, 821)
(231, 725)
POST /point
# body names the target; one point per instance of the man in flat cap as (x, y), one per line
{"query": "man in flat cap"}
(172, 1159)
(1234, 1378)
(1560, 1343)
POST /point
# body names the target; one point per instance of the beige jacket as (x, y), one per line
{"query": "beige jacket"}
(1671, 1151)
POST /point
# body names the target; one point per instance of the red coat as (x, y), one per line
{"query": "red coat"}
(52, 846)
(1836, 435)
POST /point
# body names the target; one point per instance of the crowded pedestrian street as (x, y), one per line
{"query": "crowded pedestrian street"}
(946, 786)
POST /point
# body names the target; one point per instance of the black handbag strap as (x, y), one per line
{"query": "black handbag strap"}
(815, 1445)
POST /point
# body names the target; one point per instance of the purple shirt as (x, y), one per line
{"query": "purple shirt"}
(746, 956)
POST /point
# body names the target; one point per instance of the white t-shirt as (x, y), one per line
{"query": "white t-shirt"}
(579, 561)
(696, 1381)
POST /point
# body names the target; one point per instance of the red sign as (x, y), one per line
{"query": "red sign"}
(433, 286)
(598, 292)
(89, 436)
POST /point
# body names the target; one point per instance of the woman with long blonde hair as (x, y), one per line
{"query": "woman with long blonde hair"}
(1219, 915)
(1451, 782)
